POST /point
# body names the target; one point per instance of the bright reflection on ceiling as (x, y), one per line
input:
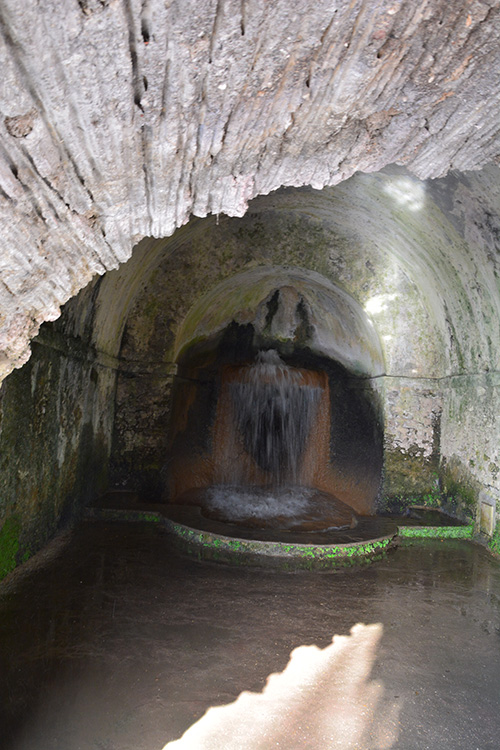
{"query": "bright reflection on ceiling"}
(379, 303)
(406, 192)
(324, 698)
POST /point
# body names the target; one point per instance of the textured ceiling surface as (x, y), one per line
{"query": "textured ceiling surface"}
(122, 118)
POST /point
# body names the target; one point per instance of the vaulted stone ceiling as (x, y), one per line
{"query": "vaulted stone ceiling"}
(121, 119)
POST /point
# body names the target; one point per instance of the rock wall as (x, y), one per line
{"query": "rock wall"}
(91, 408)
(123, 118)
(421, 258)
(56, 416)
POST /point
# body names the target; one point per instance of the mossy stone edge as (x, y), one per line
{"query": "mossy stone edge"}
(206, 545)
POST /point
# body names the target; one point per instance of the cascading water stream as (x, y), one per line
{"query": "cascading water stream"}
(274, 407)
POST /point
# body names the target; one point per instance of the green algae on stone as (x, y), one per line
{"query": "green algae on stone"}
(408, 476)
(460, 488)
(9, 545)
(244, 551)
(437, 532)
(494, 542)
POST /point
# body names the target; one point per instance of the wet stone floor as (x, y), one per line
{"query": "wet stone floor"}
(120, 643)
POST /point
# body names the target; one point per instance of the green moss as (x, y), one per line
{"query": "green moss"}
(118, 514)
(409, 475)
(460, 493)
(494, 543)
(9, 545)
(460, 488)
(400, 503)
(209, 546)
(437, 532)
(452, 488)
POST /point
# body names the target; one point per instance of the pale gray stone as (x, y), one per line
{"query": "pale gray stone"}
(123, 119)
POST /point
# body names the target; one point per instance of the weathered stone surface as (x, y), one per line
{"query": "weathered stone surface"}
(421, 259)
(277, 302)
(55, 436)
(122, 119)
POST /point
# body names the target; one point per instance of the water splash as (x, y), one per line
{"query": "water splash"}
(243, 503)
(285, 508)
(268, 456)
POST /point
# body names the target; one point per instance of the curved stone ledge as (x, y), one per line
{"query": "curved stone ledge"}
(289, 551)
(204, 541)
(289, 556)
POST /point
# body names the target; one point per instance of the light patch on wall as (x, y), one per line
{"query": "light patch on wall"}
(487, 514)
(379, 303)
(406, 192)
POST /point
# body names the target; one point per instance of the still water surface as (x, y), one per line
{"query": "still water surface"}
(120, 643)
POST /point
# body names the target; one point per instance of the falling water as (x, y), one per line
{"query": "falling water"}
(274, 409)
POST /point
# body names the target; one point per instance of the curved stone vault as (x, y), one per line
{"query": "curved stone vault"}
(358, 141)
(123, 118)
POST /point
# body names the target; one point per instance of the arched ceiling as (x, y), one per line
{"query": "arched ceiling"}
(337, 326)
(122, 118)
(422, 258)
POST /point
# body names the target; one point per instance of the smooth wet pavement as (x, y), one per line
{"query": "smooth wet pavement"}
(120, 643)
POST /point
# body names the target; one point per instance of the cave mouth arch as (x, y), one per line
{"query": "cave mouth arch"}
(275, 389)
(98, 386)
(291, 308)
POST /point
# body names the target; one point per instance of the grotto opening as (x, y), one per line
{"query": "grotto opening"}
(151, 151)
(274, 424)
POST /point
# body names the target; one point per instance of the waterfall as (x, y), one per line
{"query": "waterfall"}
(274, 410)
(267, 455)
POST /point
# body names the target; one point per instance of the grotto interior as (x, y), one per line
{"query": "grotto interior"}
(250, 257)
(371, 287)
(240, 179)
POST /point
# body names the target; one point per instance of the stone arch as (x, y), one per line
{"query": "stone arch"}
(338, 327)
(204, 115)
(420, 258)
(326, 338)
